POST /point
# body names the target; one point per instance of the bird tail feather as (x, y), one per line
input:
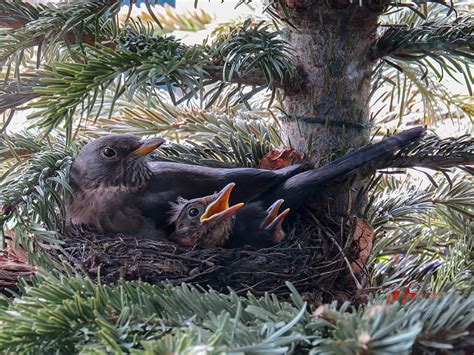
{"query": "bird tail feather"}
(297, 187)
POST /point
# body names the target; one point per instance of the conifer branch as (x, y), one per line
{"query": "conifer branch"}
(152, 62)
(423, 230)
(72, 313)
(34, 183)
(434, 39)
(45, 25)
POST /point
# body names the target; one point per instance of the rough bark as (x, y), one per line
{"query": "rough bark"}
(331, 47)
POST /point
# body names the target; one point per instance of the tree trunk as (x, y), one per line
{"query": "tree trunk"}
(326, 113)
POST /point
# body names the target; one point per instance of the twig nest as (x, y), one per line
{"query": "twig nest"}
(313, 257)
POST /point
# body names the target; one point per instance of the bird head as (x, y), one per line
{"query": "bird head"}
(114, 160)
(273, 221)
(205, 221)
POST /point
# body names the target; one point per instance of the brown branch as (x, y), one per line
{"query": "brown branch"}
(22, 153)
(16, 23)
(89, 39)
(11, 98)
(336, 4)
(8, 101)
(13, 21)
(256, 78)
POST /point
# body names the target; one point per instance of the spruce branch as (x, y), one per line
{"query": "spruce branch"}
(138, 316)
(34, 182)
(16, 14)
(71, 84)
(421, 230)
(213, 137)
(449, 268)
(398, 204)
(432, 39)
(253, 48)
(52, 29)
(15, 93)
(45, 25)
(73, 313)
(249, 55)
(422, 324)
(413, 95)
(417, 90)
(149, 63)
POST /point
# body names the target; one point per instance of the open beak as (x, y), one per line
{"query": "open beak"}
(219, 209)
(278, 220)
(272, 213)
(147, 146)
(274, 221)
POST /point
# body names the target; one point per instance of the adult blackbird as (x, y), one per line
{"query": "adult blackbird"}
(209, 221)
(107, 178)
(117, 190)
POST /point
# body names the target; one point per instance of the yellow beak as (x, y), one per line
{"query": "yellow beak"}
(220, 207)
(272, 213)
(148, 146)
(278, 220)
(273, 219)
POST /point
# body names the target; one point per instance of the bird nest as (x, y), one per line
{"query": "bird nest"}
(315, 257)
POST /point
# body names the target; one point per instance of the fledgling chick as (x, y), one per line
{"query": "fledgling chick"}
(258, 227)
(210, 222)
(205, 221)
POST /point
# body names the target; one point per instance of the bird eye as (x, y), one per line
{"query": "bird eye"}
(193, 212)
(109, 152)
